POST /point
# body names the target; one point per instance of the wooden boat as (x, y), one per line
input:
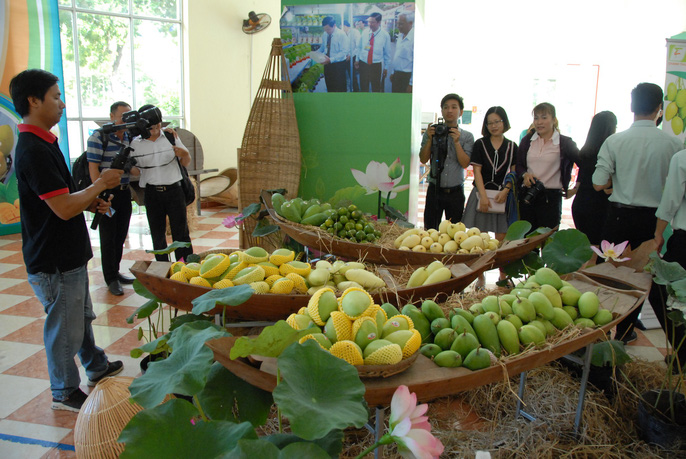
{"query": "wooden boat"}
(153, 275)
(372, 253)
(430, 381)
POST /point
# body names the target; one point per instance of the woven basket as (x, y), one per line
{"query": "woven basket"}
(269, 156)
(102, 418)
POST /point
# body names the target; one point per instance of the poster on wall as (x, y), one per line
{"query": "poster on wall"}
(29, 38)
(350, 66)
(349, 47)
(675, 87)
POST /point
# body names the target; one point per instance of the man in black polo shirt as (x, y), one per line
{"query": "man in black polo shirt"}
(55, 240)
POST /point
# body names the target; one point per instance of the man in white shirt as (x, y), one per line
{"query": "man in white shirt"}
(353, 75)
(336, 47)
(401, 78)
(374, 55)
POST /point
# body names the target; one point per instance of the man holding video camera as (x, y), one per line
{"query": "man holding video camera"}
(449, 149)
(101, 150)
(55, 241)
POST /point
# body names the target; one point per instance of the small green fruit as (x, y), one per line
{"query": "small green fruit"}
(430, 350)
(439, 324)
(477, 359)
(445, 338)
(603, 317)
(448, 359)
(548, 276)
(588, 304)
(464, 344)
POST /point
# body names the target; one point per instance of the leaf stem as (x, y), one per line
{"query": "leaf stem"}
(385, 440)
(278, 409)
(196, 401)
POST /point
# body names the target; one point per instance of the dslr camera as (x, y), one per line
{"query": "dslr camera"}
(530, 194)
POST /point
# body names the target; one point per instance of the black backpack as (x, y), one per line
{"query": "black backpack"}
(80, 172)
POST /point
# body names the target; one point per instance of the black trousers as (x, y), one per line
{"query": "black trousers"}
(401, 80)
(334, 76)
(545, 210)
(450, 201)
(162, 204)
(589, 210)
(635, 225)
(113, 231)
(370, 74)
(676, 252)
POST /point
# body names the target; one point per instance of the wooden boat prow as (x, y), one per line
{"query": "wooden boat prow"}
(374, 253)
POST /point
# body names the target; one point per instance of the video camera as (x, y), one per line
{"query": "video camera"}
(439, 149)
(137, 123)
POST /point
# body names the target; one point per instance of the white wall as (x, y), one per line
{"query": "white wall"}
(219, 75)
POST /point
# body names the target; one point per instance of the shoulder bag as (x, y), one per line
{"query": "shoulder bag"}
(186, 184)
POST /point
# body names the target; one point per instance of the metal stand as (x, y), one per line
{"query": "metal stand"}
(586, 362)
(377, 430)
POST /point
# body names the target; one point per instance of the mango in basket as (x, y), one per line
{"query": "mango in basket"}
(348, 351)
(382, 352)
(408, 340)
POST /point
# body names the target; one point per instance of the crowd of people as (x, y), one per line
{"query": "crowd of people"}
(630, 184)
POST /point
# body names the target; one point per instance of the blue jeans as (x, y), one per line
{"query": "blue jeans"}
(68, 331)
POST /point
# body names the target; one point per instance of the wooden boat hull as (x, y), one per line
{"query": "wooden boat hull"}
(430, 381)
(153, 275)
(371, 253)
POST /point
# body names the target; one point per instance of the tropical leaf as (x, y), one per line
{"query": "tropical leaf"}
(332, 442)
(178, 321)
(270, 343)
(249, 449)
(248, 211)
(319, 391)
(144, 311)
(184, 371)
(231, 296)
(517, 230)
(524, 266)
(609, 353)
(173, 246)
(348, 194)
(264, 230)
(567, 251)
(141, 290)
(224, 391)
(184, 433)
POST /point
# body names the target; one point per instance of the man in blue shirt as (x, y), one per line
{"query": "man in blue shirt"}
(374, 55)
(335, 45)
(113, 228)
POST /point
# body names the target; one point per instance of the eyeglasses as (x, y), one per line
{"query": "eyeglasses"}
(494, 123)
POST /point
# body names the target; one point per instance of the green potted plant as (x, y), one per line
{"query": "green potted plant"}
(662, 411)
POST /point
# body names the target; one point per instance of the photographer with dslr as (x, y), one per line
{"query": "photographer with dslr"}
(102, 148)
(449, 149)
(156, 159)
(544, 166)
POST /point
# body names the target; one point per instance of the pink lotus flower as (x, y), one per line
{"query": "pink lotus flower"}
(611, 251)
(377, 177)
(410, 429)
(231, 221)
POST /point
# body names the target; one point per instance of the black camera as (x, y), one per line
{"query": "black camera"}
(530, 194)
(441, 129)
(137, 123)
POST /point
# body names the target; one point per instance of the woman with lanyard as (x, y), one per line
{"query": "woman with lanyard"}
(544, 165)
(158, 162)
(492, 159)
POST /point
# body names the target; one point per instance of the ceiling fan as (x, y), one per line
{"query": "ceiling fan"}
(256, 22)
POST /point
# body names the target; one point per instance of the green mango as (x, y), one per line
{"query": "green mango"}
(430, 350)
(521, 293)
(439, 324)
(603, 317)
(490, 303)
(494, 316)
(476, 309)
(421, 323)
(312, 210)
(524, 309)
(393, 325)
(460, 325)
(505, 308)
(390, 310)
(542, 305)
(445, 338)
(314, 220)
(464, 344)
(569, 295)
(548, 276)
(487, 334)
(366, 334)
(583, 322)
(477, 359)
(540, 325)
(462, 312)
(514, 320)
(572, 311)
(509, 298)
(432, 311)
(588, 304)
(448, 359)
(530, 334)
(561, 319)
(509, 339)
(290, 211)
(552, 294)
(277, 201)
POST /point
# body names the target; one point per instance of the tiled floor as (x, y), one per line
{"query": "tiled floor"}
(28, 426)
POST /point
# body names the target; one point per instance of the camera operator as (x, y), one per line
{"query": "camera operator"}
(115, 227)
(449, 149)
(544, 165)
(161, 178)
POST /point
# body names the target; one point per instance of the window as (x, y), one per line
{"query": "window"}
(112, 50)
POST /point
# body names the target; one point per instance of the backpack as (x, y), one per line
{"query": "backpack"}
(80, 172)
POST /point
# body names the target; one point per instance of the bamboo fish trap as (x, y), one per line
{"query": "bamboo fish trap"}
(270, 153)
